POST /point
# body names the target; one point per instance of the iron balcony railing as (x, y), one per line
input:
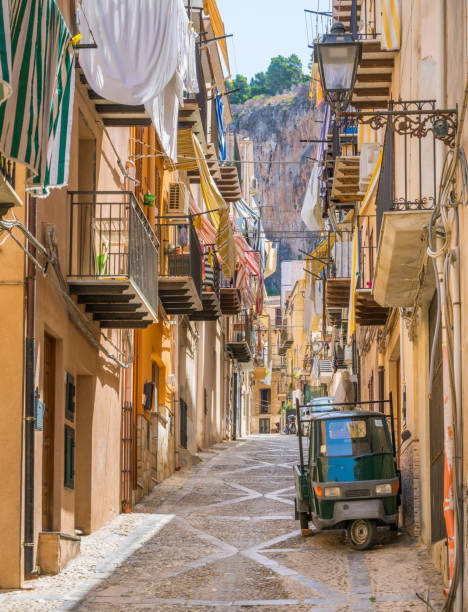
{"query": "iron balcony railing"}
(8, 170)
(111, 239)
(340, 255)
(242, 329)
(224, 283)
(211, 275)
(181, 250)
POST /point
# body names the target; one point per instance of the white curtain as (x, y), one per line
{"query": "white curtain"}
(144, 56)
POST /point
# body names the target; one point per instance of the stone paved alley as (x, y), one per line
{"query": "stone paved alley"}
(222, 535)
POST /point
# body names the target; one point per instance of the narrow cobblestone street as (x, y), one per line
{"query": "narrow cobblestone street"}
(222, 535)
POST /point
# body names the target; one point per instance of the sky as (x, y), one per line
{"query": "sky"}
(263, 29)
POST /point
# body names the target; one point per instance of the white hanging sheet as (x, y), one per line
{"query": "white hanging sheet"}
(143, 57)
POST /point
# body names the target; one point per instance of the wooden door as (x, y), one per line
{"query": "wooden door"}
(264, 426)
(48, 434)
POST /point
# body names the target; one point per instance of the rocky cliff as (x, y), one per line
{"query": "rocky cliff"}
(276, 126)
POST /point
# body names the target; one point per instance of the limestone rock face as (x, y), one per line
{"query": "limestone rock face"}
(276, 126)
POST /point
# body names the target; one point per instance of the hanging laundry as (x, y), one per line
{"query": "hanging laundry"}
(153, 72)
(219, 106)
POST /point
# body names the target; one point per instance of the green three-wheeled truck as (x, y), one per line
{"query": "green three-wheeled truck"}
(349, 479)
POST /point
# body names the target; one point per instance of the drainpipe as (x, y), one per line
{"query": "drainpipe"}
(402, 372)
(456, 308)
(29, 398)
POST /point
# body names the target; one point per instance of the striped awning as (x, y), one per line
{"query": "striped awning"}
(5, 51)
(391, 30)
(35, 121)
(219, 213)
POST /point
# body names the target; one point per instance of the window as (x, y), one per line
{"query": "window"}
(70, 398)
(265, 400)
(353, 437)
(69, 476)
(278, 317)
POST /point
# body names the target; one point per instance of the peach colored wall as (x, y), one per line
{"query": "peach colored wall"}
(11, 402)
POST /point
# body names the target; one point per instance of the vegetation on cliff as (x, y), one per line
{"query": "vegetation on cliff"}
(282, 74)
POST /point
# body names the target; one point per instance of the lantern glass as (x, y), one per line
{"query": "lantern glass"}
(338, 66)
(338, 56)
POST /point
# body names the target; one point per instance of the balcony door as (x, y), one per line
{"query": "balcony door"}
(265, 401)
(48, 438)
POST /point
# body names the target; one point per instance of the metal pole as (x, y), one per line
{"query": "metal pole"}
(299, 433)
(29, 399)
(392, 425)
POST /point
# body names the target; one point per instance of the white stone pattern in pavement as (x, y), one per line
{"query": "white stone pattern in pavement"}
(223, 535)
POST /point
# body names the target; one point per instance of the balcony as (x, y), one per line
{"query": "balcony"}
(113, 259)
(239, 343)
(373, 76)
(368, 310)
(231, 302)
(111, 113)
(404, 210)
(211, 308)
(345, 184)
(339, 271)
(338, 278)
(286, 338)
(374, 73)
(180, 278)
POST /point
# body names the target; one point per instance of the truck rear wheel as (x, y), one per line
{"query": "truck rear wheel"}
(303, 520)
(362, 533)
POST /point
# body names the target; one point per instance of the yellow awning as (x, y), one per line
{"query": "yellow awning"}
(391, 30)
(211, 8)
(213, 199)
(219, 213)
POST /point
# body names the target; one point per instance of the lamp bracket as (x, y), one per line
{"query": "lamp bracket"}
(411, 118)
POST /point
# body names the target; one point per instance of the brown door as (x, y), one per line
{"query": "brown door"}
(48, 433)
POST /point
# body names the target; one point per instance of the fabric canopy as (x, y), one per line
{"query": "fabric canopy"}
(143, 57)
(271, 259)
(211, 8)
(35, 121)
(5, 51)
(219, 106)
(391, 31)
(311, 212)
(219, 213)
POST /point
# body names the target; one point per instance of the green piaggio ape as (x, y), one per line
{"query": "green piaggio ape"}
(350, 480)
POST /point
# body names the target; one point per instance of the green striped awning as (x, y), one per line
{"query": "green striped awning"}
(5, 51)
(35, 122)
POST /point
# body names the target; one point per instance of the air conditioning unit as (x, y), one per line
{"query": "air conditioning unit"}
(325, 371)
(178, 199)
(369, 156)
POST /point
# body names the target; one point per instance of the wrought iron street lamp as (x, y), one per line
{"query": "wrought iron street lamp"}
(338, 55)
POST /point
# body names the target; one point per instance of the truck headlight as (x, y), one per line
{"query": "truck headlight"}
(384, 489)
(332, 491)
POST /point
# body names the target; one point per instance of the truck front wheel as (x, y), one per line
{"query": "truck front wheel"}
(362, 533)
